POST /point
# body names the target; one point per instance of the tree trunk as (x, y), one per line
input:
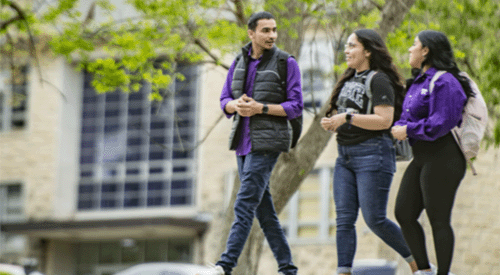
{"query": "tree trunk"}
(293, 167)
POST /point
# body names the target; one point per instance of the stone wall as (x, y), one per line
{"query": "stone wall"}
(28, 155)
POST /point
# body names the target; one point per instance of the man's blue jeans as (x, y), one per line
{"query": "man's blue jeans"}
(254, 200)
(362, 179)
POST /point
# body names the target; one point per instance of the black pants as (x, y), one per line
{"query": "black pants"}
(430, 182)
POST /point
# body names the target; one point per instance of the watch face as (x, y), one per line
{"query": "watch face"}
(265, 109)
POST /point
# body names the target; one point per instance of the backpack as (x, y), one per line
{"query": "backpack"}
(474, 121)
(296, 123)
(403, 147)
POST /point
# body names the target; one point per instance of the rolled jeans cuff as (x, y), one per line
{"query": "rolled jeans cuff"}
(409, 259)
(344, 269)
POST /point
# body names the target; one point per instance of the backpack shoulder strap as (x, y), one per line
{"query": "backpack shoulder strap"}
(238, 57)
(283, 67)
(368, 87)
(433, 80)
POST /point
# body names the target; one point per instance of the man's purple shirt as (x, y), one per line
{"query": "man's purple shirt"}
(429, 116)
(293, 105)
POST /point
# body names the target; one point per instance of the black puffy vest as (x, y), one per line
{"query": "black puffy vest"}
(267, 132)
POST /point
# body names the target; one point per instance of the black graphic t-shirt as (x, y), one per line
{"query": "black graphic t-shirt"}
(353, 98)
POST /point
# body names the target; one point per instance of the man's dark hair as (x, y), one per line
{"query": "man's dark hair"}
(254, 19)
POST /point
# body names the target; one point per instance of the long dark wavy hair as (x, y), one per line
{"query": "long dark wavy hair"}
(441, 57)
(380, 60)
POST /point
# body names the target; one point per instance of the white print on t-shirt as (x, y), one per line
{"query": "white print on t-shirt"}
(424, 91)
(354, 92)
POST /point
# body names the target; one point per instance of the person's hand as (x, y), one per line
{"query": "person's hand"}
(399, 132)
(247, 106)
(332, 123)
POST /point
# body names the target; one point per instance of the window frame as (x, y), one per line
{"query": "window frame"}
(155, 163)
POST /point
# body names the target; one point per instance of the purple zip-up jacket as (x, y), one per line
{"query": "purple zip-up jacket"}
(429, 116)
(293, 105)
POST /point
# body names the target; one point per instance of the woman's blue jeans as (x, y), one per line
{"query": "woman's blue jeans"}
(362, 179)
(254, 200)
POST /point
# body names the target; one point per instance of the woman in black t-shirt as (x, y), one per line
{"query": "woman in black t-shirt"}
(366, 156)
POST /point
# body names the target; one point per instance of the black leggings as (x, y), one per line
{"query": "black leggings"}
(430, 182)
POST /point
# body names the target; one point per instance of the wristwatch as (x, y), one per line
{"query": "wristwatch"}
(265, 109)
(348, 118)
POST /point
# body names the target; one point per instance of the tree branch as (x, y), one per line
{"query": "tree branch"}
(239, 12)
(207, 50)
(20, 15)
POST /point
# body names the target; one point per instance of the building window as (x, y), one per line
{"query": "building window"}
(136, 153)
(309, 216)
(316, 61)
(114, 256)
(11, 203)
(11, 210)
(13, 99)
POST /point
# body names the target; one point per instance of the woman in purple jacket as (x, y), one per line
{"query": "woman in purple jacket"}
(431, 180)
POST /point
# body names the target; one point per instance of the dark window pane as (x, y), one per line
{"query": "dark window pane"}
(179, 200)
(184, 123)
(157, 140)
(89, 114)
(86, 174)
(155, 201)
(178, 154)
(115, 96)
(86, 159)
(135, 111)
(112, 113)
(132, 187)
(158, 125)
(155, 185)
(131, 202)
(85, 205)
(186, 107)
(88, 143)
(134, 141)
(135, 125)
(90, 99)
(108, 203)
(134, 156)
(89, 129)
(109, 187)
(86, 188)
(133, 171)
(156, 155)
(180, 169)
(111, 128)
(155, 170)
(136, 96)
(181, 184)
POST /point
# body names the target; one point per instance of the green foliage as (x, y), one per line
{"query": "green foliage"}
(161, 30)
